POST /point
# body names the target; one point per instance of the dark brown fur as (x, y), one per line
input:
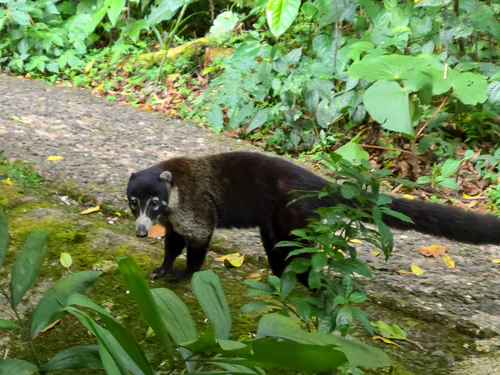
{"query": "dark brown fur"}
(246, 190)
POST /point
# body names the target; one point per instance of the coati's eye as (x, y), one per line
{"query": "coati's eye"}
(133, 202)
(156, 206)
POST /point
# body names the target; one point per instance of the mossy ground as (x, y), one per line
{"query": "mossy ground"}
(95, 244)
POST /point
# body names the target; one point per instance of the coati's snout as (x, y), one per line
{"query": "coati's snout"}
(147, 198)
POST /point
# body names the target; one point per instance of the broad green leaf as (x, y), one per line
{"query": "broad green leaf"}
(28, 264)
(20, 17)
(17, 367)
(208, 291)
(359, 354)
(432, 3)
(493, 95)
(109, 365)
(132, 30)
(256, 305)
(4, 236)
(121, 334)
(281, 14)
(121, 359)
(76, 357)
(449, 183)
(175, 315)
(51, 306)
(258, 120)
(450, 167)
(164, 11)
(115, 9)
(387, 102)
(215, 118)
(223, 23)
(424, 180)
(144, 298)
(92, 21)
(389, 67)
(4, 323)
(353, 152)
(469, 88)
(23, 46)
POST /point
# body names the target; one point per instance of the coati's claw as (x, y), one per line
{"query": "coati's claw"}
(158, 273)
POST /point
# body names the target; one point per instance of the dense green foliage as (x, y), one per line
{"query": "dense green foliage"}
(118, 352)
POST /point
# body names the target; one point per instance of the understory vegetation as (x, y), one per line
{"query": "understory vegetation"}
(393, 95)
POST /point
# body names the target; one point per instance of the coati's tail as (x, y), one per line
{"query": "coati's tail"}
(446, 221)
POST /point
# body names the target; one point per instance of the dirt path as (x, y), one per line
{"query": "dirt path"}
(103, 141)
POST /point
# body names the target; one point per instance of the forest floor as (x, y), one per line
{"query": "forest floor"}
(452, 313)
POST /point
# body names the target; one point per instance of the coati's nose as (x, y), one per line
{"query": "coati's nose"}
(141, 232)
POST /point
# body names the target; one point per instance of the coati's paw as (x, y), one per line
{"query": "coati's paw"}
(158, 273)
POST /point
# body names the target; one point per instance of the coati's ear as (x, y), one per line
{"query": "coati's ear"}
(132, 176)
(166, 176)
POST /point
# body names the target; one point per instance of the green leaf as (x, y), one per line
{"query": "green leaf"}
(52, 67)
(121, 334)
(389, 67)
(424, 180)
(144, 298)
(385, 330)
(256, 305)
(23, 47)
(66, 260)
(359, 354)
(215, 118)
(493, 93)
(164, 11)
(28, 264)
(121, 361)
(20, 17)
(223, 23)
(17, 367)
(76, 357)
(4, 323)
(469, 88)
(4, 236)
(450, 167)
(352, 151)
(449, 183)
(281, 14)
(259, 119)
(208, 290)
(51, 306)
(175, 315)
(115, 9)
(387, 102)
(132, 30)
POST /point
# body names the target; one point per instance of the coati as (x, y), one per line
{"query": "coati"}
(193, 196)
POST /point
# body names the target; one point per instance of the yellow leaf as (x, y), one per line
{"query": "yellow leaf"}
(7, 181)
(228, 256)
(121, 197)
(355, 241)
(408, 196)
(416, 269)
(100, 87)
(471, 197)
(404, 272)
(375, 253)
(448, 262)
(54, 158)
(90, 210)
(88, 67)
(232, 260)
(15, 118)
(497, 261)
(387, 341)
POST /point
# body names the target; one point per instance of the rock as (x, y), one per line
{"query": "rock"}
(488, 345)
(106, 239)
(44, 213)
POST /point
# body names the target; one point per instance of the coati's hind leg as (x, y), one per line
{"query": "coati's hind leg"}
(274, 256)
(174, 244)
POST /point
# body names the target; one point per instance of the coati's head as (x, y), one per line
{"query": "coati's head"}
(148, 195)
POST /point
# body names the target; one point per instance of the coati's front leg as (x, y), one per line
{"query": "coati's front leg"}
(195, 256)
(174, 244)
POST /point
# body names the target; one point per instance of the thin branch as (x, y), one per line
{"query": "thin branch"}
(385, 148)
(433, 115)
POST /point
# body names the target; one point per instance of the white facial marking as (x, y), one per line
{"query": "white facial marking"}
(143, 221)
(164, 203)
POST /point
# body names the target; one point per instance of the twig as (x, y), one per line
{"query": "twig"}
(385, 148)
(6, 353)
(433, 115)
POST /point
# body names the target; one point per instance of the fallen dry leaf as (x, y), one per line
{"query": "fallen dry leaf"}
(448, 262)
(15, 118)
(253, 276)
(387, 341)
(50, 326)
(100, 87)
(404, 272)
(7, 181)
(156, 231)
(433, 250)
(90, 210)
(55, 158)
(355, 241)
(496, 261)
(232, 260)
(417, 270)
(408, 196)
(375, 253)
